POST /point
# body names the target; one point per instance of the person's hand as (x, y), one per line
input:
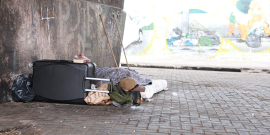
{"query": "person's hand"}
(140, 88)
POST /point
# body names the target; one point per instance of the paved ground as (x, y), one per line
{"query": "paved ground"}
(197, 102)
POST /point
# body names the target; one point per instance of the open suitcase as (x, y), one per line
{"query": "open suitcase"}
(64, 81)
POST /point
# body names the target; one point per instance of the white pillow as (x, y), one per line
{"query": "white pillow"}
(155, 87)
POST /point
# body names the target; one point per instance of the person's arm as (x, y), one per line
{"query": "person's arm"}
(140, 88)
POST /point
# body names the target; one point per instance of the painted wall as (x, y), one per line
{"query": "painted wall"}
(55, 29)
(206, 29)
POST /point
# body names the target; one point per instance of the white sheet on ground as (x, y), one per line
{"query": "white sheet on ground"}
(155, 87)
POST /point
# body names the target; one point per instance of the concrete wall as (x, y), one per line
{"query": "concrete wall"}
(55, 29)
(114, 3)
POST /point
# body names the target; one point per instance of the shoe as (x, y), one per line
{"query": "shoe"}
(126, 106)
(240, 41)
(116, 104)
(121, 105)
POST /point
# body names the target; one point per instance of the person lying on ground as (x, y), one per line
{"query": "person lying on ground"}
(125, 95)
(116, 74)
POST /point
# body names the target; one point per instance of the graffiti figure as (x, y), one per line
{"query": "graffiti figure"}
(256, 22)
(232, 22)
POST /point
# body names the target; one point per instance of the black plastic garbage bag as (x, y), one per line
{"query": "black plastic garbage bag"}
(22, 89)
(253, 41)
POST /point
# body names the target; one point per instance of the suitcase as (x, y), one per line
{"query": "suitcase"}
(64, 81)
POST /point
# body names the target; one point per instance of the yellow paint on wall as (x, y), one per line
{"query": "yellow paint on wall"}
(202, 5)
(266, 51)
(224, 50)
(228, 42)
(208, 10)
(154, 33)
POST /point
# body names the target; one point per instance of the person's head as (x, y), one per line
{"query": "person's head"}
(127, 84)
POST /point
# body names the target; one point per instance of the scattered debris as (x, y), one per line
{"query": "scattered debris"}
(16, 130)
(148, 100)
(174, 94)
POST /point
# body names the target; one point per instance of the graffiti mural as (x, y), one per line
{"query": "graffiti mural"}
(139, 27)
(210, 29)
(193, 33)
(248, 30)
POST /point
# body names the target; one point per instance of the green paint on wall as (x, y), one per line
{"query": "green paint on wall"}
(150, 27)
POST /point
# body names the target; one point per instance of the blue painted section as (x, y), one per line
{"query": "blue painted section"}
(243, 5)
(195, 11)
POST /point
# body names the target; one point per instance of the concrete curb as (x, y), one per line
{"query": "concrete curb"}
(244, 70)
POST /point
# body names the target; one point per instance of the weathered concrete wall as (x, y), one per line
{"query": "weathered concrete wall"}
(55, 29)
(115, 3)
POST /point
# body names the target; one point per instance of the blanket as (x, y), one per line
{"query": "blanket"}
(117, 74)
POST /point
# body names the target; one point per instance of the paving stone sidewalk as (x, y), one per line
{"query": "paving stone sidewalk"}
(196, 102)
